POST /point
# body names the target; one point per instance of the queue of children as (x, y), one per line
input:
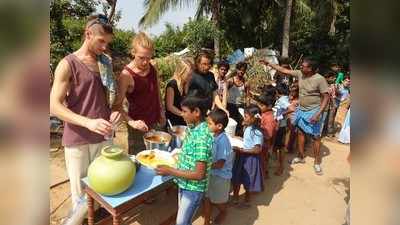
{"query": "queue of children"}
(210, 169)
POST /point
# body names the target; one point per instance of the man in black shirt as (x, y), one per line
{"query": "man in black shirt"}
(203, 82)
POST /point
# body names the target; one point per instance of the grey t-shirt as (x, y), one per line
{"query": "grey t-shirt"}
(310, 90)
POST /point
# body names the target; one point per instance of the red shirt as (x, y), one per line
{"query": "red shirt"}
(268, 124)
(144, 100)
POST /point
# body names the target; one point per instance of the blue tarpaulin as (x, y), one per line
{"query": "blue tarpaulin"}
(235, 57)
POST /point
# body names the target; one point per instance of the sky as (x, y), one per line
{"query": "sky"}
(133, 10)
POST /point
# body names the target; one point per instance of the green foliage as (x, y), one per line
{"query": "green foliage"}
(121, 44)
(309, 39)
(259, 24)
(67, 19)
(67, 22)
(200, 34)
(249, 23)
(195, 34)
(165, 67)
(171, 40)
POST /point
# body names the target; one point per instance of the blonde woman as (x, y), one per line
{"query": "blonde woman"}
(176, 89)
(139, 83)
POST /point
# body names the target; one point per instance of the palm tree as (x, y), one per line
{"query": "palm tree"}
(156, 8)
(324, 11)
(286, 29)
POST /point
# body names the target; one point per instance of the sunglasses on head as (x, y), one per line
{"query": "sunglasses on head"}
(101, 19)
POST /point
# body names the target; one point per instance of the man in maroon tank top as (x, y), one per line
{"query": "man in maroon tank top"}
(138, 82)
(78, 98)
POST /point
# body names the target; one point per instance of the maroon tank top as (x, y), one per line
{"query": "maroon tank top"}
(87, 97)
(144, 100)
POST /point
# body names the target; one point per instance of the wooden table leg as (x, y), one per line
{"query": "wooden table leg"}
(117, 220)
(90, 203)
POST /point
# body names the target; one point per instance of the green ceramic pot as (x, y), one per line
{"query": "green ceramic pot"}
(112, 172)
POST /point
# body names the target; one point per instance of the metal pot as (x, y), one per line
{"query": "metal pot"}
(157, 140)
(178, 133)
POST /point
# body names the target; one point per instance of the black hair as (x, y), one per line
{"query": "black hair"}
(294, 89)
(269, 90)
(240, 65)
(254, 111)
(204, 54)
(218, 116)
(330, 73)
(313, 63)
(195, 101)
(334, 64)
(267, 100)
(282, 89)
(223, 63)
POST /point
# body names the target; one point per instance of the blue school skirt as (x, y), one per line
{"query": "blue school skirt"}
(247, 171)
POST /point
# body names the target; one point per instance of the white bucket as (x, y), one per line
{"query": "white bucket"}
(231, 127)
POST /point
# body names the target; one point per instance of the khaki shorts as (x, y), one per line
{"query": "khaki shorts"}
(218, 189)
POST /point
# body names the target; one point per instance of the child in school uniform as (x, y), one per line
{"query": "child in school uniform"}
(268, 126)
(247, 169)
(221, 168)
(294, 103)
(281, 106)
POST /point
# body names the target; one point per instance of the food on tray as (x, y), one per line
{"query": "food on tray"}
(154, 158)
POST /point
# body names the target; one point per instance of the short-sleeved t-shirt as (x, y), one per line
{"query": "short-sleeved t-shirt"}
(310, 90)
(197, 147)
(203, 84)
(269, 125)
(339, 78)
(252, 137)
(222, 150)
(281, 106)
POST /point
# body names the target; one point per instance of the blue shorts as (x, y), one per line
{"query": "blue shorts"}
(188, 203)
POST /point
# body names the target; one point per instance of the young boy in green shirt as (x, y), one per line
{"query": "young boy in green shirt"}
(194, 161)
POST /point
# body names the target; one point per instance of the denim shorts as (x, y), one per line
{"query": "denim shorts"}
(188, 203)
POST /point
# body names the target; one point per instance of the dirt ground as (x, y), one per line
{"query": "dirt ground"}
(298, 197)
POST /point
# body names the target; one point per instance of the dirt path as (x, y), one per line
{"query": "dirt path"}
(299, 197)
